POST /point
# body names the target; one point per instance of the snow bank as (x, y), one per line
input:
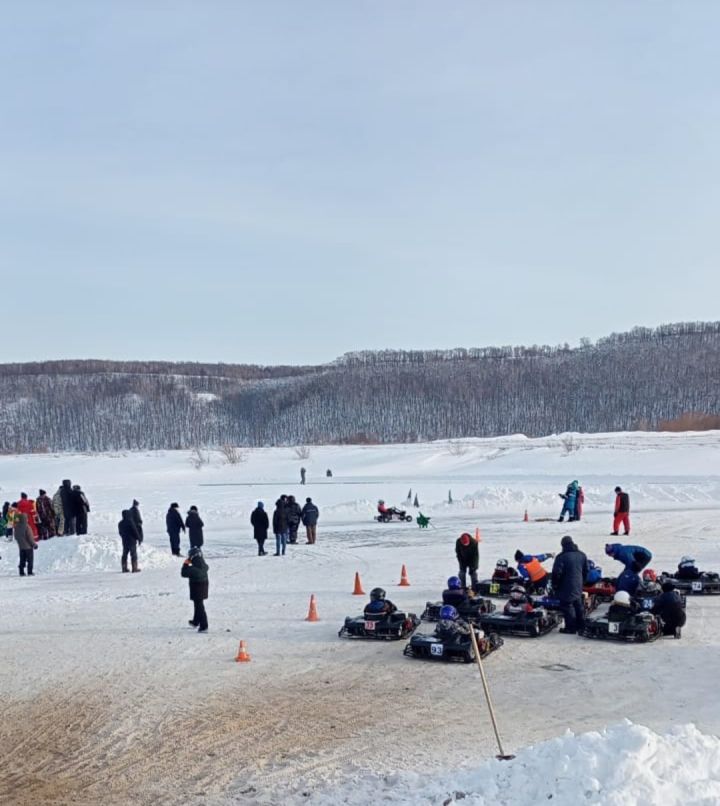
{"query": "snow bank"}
(624, 764)
(83, 554)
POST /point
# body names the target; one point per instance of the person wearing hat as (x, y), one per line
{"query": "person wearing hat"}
(310, 515)
(468, 557)
(174, 525)
(137, 518)
(130, 539)
(260, 524)
(195, 570)
(670, 608)
(621, 516)
(568, 577)
(194, 525)
(45, 514)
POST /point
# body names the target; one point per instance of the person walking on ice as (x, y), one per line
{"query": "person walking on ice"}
(195, 570)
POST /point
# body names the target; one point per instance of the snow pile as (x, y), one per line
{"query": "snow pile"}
(83, 554)
(623, 764)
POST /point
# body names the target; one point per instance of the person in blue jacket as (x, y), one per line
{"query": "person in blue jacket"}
(634, 558)
(569, 498)
(535, 577)
(594, 574)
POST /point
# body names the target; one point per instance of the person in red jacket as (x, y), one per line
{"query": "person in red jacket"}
(27, 507)
(622, 512)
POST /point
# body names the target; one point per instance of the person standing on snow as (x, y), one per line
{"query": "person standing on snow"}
(280, 525)
(579, 501)
(46, 515)
(310, 515)
(568, 577)
(58, 509)
(468, 557)
(82, 507)
(137, 518)
(68, 507)
(294, 516)
(302, 475)
(260, 524)
(27, 507)
(131, 538)
(194, 525)
(195, 570)
(173, 526)
(26, 544)
(569, 497)
(621, 516)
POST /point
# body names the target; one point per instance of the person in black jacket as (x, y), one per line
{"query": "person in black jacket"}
(568, 577)
(195, 570)
(81, 507)
(669, 607)
(468, 557)
(130, 540)
(260, 523)
(137, 518)
(194, 525)
(174, 525)
(280, 525)
(66, 495)
(294, 516)
(310, 515)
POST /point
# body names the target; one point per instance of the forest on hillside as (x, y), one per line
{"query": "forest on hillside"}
(648, 378)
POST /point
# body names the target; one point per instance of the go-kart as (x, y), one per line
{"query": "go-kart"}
(381, 627)
(637, 627)
(525, 625)
(549, 602)
(451, 646)
(469, 611)
(393, 515)
(499, 587)
(603, 590)
(708, 584)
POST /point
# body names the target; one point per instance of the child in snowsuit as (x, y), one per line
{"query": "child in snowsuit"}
(634, 558)
(195, 570)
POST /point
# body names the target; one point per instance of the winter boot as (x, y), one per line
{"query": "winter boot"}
(135, 568)
(22, 572)
(124, 566)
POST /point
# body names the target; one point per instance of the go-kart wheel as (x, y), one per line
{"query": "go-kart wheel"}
(408, 518)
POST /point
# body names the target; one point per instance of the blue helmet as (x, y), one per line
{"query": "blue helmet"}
(454, 584)
(448, 613)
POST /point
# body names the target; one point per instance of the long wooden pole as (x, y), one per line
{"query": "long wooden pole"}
(502, 755)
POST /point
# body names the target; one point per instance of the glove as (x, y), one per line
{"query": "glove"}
(551, 554)
(35, 546)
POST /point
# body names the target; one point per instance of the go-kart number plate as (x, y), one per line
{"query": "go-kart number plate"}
(370, 626)
(697, 586)
(436, 649)
(494, 587)
(647, 604)
(614, 627)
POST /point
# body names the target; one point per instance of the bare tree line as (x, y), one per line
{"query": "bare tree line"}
(646, 378)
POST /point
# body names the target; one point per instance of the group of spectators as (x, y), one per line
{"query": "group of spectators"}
(286, 520)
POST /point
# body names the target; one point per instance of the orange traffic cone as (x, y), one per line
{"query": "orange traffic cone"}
(312, 612)
(478, 538)
(243, 656)
(526, 519)
(404, 581)
(358, 586)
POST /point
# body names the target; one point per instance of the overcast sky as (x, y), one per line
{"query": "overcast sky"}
(282, 182)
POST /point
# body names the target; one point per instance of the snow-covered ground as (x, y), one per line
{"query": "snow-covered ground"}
(109, 697)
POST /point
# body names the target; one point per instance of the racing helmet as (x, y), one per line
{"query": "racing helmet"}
(448, 613)
(454, 584)
(380, 501)
(649, 575)
(622, 598)
(377, 595)
(195, 551)
(687, 560)
(501, 564)
(517, 592)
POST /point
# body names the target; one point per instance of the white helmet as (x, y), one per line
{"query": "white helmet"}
(687, 560)
(622, 598)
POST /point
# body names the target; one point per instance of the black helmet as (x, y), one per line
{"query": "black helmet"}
(377, 595)
(195, 551)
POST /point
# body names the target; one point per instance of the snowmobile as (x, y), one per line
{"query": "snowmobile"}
(526, 625)
(451, 646)
(469, 611)
(708, 584)
(381, 627)
(636, 627)
(393, 515)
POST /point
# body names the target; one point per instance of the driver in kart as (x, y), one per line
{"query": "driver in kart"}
(383, 509)
(379, 605)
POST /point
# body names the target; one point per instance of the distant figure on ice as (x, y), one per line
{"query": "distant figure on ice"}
(531, 571)
(68, 507)
(81, 507)
(137, 518)
(27, 507)
(280, 526)
(294, 516)
(302, 475)
(58, 508)
(468, 557)
(569, 572)
(260, 524)
(634, 558)
(173, 526)
(579, 501)
(194, 525)
(45, 514)
(130, 540)
(621, 515)
(195, 570)
(569, 498)
(328, 473)
(310, 515)
(26, 544)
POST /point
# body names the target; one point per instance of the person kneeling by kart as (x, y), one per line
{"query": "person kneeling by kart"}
(378, 604)
(634, 558)
(519, 603)
(468, 557)
(621, 607)
(454, 594)
(503, 572)
(669, 607)
(536, 577)
(687, 569)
